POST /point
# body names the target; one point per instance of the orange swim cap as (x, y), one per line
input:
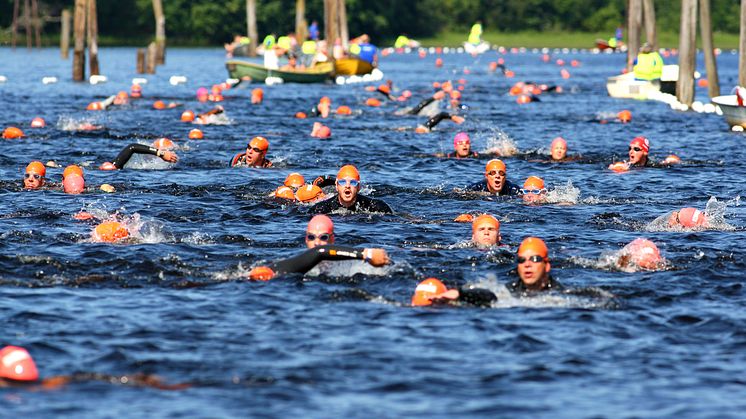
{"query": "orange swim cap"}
(12, 133)
(158, 104)
(122, 95)
(261, 273)
(73, 183)
(533, 182)
(523, 99)
(384, 88)
(300, 115)
(484, 219)
(36, 167)
(672, 159)
(495, 164)
(325, 99)
(348, 171)
(164, 144)
(196, 134)
(110, 231)
(94, 106)
(455, 95)
(421, 129)
(344, 110)
(427, 289)
(16, 364)
(464, 218)
(295, 180)
(308, 193)
(72, 169)
(285, 193)
(624, 116)
(187, 116)
(373, 102)
(691, 217)
(260, 143)
(38, 123)
(257, 95)
(643, 253)
(534, 245)
(439, 62)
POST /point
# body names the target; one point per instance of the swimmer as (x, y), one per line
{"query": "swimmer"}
(320, 231)
(533, 269)
(309, 194)
(433, 291)
(461, 148)
(533, 191)
(17, 369)
(255, 155)
(495, 180)
(427, 107)
(688, 218)
(126, 154)
(348, 185)
(208, 117)
(305, 261)
(35, 175)
(640, 254)
(558, 149)
(385, 90)
(435, 120)
(638, 152)
(485, 231)
(322, 108)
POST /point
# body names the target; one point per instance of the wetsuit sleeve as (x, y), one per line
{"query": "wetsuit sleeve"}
(436, 119)
(421, 105)
(324, 181)
(510, 189)
(479, 297)
(305, 261)
(480, 186)
(126, 154)
(325, 207)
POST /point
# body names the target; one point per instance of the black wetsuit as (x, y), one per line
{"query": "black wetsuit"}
(417, 109)
(362, 204)
(324, 181)
(478, 297)
(509, 189)
(305, 261)
(473, 154)
(518, 287)
(432, 122)
(126, 154)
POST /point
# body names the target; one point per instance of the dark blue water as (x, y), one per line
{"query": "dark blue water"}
(174, 301)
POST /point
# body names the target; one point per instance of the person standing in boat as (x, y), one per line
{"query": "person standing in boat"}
(649, 64)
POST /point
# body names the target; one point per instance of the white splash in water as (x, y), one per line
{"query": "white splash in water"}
(500, 143)
(715, 212)
(565, 194)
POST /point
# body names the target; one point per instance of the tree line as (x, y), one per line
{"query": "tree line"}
(213, 22)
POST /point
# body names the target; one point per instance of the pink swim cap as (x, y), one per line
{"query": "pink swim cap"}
(643, 253)
(461, 136)
(321, 223)
(202, 91)
(73, 183)
(17, 364)
(558, 140)
(691, 217)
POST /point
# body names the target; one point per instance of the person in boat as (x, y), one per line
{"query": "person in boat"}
(534, 191)
(433, 292)
(309, 258)
(18, 370)
(648, 65)
(313, 31)
(308, 51)
(347, 184)
(533, 269)
(475, 35)
(495, 180)
(435, 120)
(255, 155)
(127, 152)
(238, 41)
(362, 49)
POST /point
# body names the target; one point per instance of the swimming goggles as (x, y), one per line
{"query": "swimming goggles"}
(257, 149)
(323, 237)
(635, 148)
(352, 182)
(494, 172)
(533, 191)
(34, 175)
(534, 258)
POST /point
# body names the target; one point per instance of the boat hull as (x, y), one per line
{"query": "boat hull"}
(352, 67)
(624, 86)
(735, 115)
(244, 70)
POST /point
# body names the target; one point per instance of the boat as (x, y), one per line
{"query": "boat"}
(735, 115)
(624, 86)
(352, 67)
(603, 45)
(244, 70)
(476, 48)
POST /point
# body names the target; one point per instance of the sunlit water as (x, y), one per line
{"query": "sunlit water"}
(342, 341)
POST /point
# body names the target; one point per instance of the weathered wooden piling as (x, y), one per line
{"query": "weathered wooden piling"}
(36, 21)
(301, 26)
(687, 51)
(344, 33)
(705, 27)
(151, 61)
(141, 61)
(634, 20)
(27, 21)
(160, 32)
(251, 26)
(79, 41)
(65, 34)
(651, 34)
(93, 38)
(14, 25)
(330, 26)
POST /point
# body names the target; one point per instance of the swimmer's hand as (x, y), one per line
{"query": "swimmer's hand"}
(458, 119)
(376, 257)
(439, 95)
(169, 156)
(446, 296)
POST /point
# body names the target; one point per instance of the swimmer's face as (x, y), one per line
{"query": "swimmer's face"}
(637, 156)
(559, 151)
(486, 235)
(531, 197)
(33, 181)
(319, 237)
(463, 148)
(532, 268)
(495, 180)
(347, 190)
(255, 156)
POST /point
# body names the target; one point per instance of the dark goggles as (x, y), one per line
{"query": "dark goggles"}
(34, 175)
(257, 149)
(635, 148)
(495, 172)
(323, 237)
(534, 258)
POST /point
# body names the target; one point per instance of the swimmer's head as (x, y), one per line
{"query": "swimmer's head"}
(294, 180)
(11, 133)
(558, 148)
(485, 231)
(638, 151)
(196, 134)
(533, 190)
(320, 231)
(640, 253)
(261, 273)
(284, 192)
(385, 89)
(533, 262)
(348, 184)
(164, 144)
(373, 102)
(16, 364)
(35, 175)
(107, 166)
(136, 90)
(73, 184)
(309, 194)
(202, 94)
(462, 144)
(38, 122)
(257, 95)
(159, 104)
(187, 116)
(624, 116)
(110, 232)
(344, 110)
(495, 173)
(256, 150)
(426, 290)
(688, 218)
(72, 169)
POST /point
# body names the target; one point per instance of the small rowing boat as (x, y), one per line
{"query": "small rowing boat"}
(242, 70)
(734, 115)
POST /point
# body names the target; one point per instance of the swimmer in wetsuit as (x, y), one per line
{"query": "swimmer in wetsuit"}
(126, 154)
(433, 291)
(495, 180)
(255, 155)
(305, 261)
(461, 147)
(435, 120)
(35, 176)
(348, 185)
(533, 269)
(638, 156)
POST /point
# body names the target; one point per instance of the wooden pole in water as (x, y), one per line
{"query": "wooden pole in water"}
(151, 61)
(301, 26)
(742, 47)
(27, 19)
(65, 35)
(330, 26)
(344, 33)
(705, 26)
(251, 26)
(79, 40)
(93, 38)
(650, 33)
(634, 20)
(687, 51)
(14, 25)
(37, 22)
(160, 32)
(141, 61)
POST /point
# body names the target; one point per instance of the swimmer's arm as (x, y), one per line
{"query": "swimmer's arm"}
(323, 181)
(305, 261)
(435, 120)
(126, 154)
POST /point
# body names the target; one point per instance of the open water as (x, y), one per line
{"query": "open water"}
(343, 342)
